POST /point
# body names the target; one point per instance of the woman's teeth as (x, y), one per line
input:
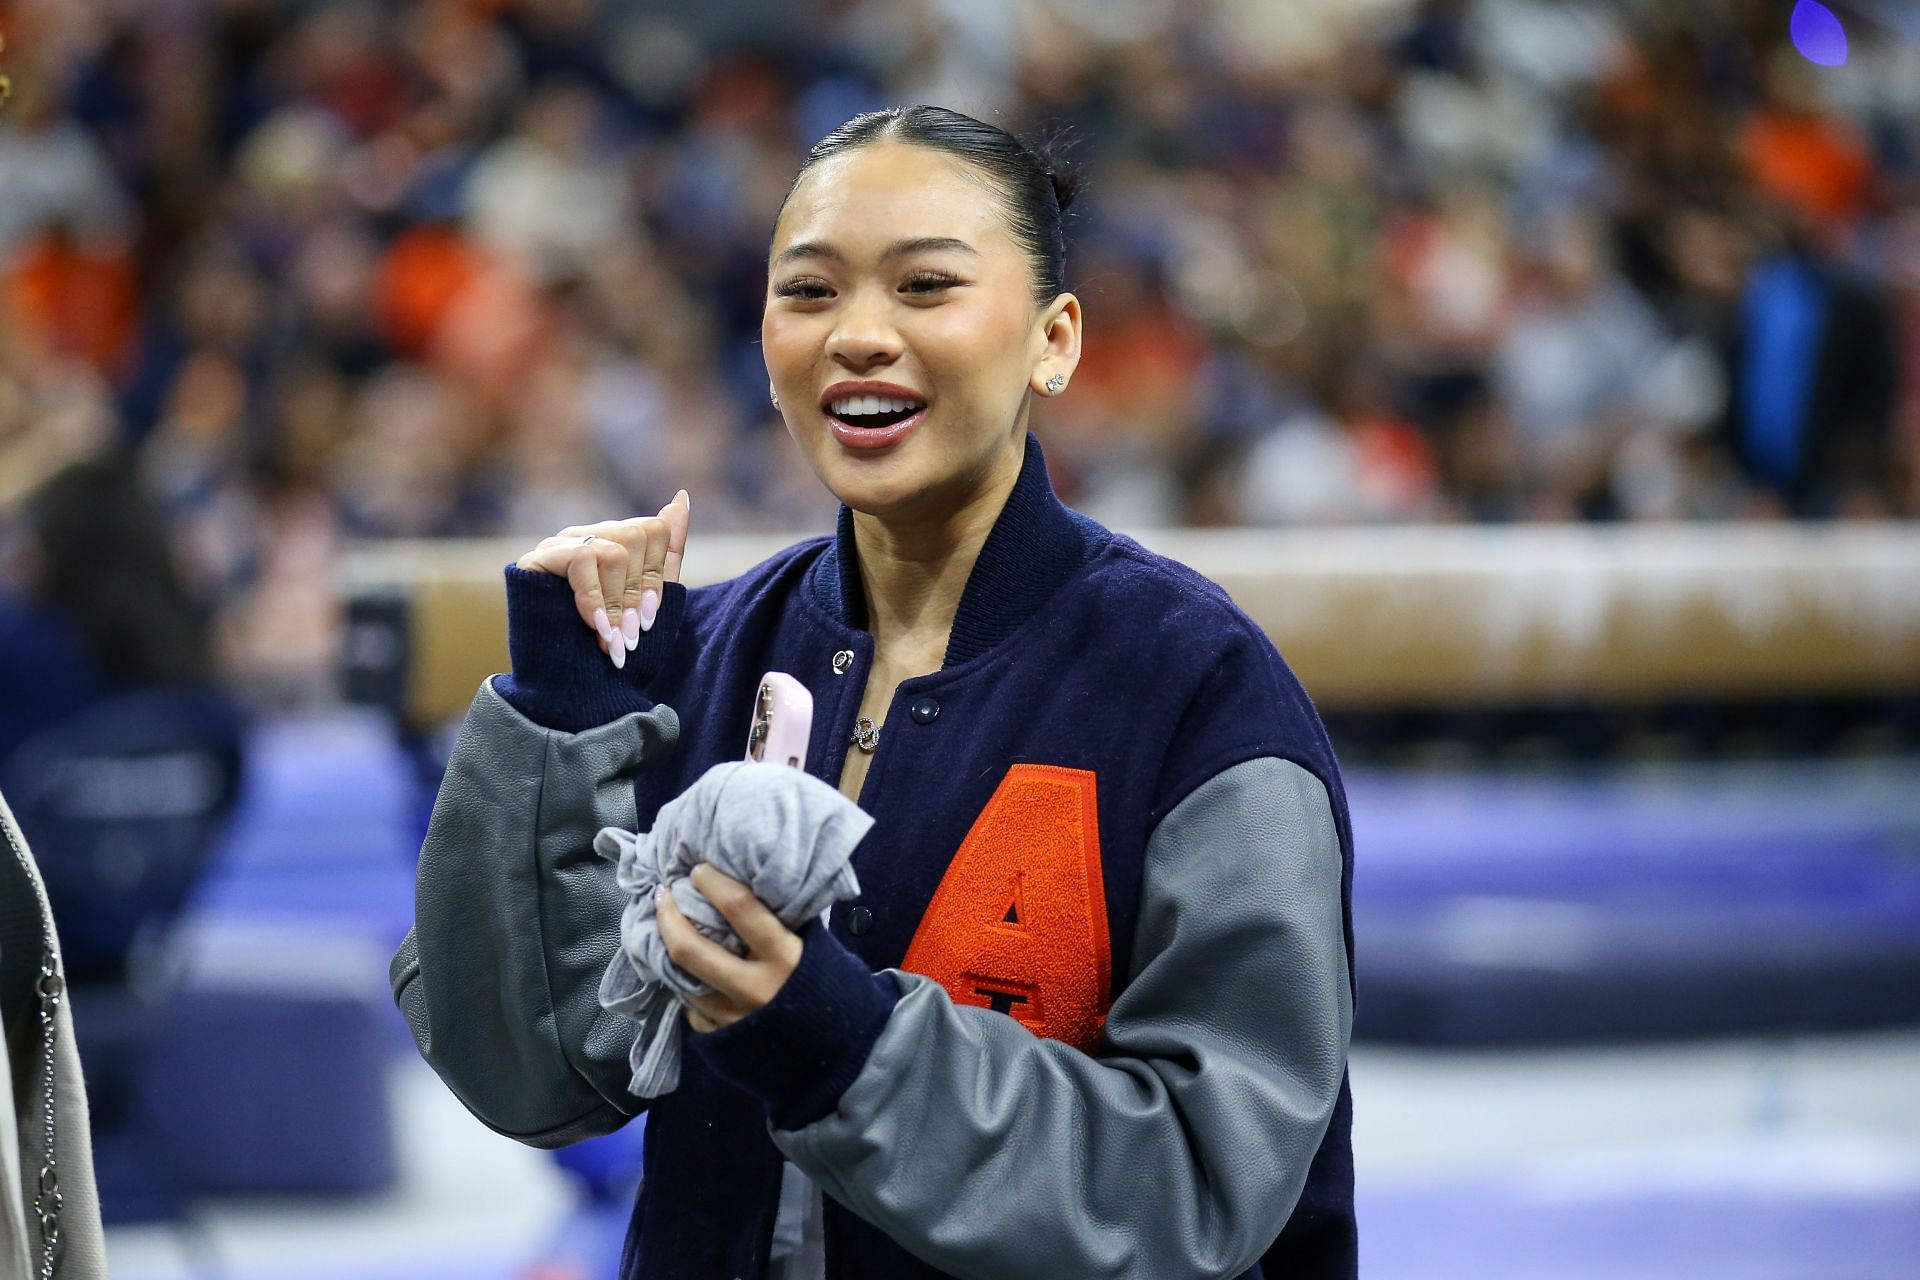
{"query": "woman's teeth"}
(854, 406)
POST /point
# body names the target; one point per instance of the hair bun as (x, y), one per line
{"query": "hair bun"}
(1051, 150)
(1066, 185)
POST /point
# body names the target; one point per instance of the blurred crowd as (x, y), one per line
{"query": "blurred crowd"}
(328, 269)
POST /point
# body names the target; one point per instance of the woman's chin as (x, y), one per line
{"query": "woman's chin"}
(867, 490)
(876, 482)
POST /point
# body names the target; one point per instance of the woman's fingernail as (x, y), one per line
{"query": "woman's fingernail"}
(601, 625)
(649, 608)
(630, 628)
(617, 650)
(659, 892)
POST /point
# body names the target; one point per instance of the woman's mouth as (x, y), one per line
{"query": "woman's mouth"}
(873, 421)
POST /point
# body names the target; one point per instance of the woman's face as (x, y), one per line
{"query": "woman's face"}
(894, 285)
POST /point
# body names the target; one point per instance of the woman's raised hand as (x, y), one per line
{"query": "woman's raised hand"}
(617, 569)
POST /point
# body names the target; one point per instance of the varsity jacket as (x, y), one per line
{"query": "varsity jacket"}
(1089, 1016)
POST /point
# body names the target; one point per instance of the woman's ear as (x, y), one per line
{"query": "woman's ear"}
(1059, 332)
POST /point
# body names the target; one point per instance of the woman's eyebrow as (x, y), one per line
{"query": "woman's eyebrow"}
(899, 248)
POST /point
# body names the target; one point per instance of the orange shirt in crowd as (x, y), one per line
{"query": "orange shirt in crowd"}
(425, 269)
(1817, 164)
(75, 300)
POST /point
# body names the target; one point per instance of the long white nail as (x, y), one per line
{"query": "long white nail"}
(630, 628)
(649, 608)
(601, 625)
(618, 652)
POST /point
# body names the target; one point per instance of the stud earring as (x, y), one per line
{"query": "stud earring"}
(1056, 383)
(775, 396)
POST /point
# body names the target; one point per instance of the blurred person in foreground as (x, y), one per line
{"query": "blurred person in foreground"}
(1090, 1014)
(49, 1211)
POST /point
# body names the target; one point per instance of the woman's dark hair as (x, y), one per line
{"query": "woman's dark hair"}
(1032, 181)
(105, 561)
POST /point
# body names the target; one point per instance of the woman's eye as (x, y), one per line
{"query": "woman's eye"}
(928, 282)
(810, 290)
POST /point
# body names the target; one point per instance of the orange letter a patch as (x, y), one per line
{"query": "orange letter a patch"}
(1019, 922)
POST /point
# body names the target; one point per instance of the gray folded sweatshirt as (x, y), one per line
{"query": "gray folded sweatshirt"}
(783, 833)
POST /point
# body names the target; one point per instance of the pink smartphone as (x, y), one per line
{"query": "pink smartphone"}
(782, 721)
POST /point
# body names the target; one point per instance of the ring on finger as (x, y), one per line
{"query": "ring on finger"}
(591, 537)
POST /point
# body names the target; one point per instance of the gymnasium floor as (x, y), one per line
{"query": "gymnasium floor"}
(1783, 1160)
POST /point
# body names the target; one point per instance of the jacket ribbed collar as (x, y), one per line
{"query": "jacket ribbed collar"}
(1035, 545)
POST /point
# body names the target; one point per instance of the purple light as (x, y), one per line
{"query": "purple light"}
(1817, 34)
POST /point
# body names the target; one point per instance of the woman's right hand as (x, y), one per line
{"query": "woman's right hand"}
(617, 569)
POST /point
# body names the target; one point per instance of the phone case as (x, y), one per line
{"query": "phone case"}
(782, 721)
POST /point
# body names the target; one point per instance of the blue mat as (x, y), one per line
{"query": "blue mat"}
(1636, 902)
(327, 829)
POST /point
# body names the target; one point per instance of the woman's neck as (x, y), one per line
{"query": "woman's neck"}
(914, 570)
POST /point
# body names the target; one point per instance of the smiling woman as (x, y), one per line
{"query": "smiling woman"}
(1089, 1015)
(906, 364)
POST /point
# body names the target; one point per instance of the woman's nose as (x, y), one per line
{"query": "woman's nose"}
(862, 337)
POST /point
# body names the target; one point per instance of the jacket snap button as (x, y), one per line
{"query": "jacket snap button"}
(859, 920)
(841, 661)
(924, 710)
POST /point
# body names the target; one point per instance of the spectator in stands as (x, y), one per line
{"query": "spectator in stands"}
(1571, 366)
(1813, 382)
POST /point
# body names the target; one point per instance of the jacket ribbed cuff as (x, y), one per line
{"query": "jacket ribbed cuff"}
(560, 677)
(800, 1051)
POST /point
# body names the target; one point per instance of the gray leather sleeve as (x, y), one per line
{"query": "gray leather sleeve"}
(515, 918)
(1181, 1150)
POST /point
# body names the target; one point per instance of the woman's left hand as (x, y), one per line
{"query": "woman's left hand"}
(741, 984)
